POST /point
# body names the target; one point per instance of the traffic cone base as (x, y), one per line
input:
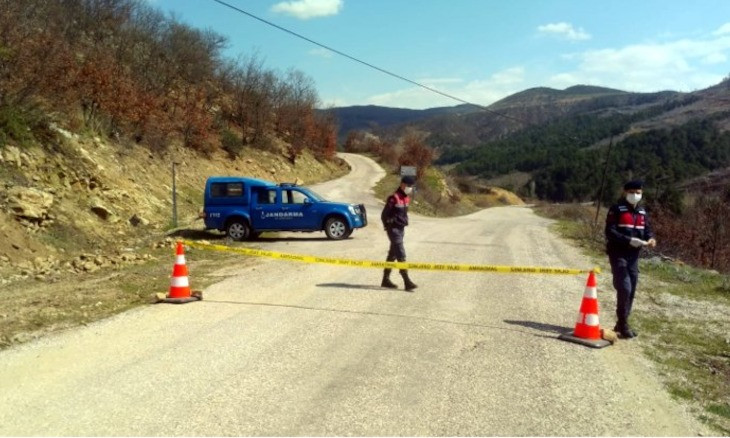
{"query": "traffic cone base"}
(161, 297)
(594, 343)
(587, 330)
(180, 300)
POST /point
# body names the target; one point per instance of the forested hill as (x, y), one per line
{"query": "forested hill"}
(123, 69)
(530, 108)
(471, 125)
(552, 144)
(663, 138)
(372, 117)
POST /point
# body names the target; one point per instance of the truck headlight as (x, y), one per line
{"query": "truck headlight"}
(352, 210)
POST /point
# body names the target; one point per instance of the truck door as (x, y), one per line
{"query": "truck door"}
(300, 208)
(266, 208)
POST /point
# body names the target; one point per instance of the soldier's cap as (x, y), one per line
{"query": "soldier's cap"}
(634, 185)
(408, 180)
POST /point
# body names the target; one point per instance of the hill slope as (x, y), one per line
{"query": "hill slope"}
(372, 117)
(78, 205)
(550, 143)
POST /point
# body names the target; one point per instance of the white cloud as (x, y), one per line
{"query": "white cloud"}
(715, 58)
(681, 64)
(306, 9)
(723, 30)
(564, 30)
(436, 81)
(674, 65)
(480, 91)
(321, 52)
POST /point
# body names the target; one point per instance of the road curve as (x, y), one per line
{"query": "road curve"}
(284, 348)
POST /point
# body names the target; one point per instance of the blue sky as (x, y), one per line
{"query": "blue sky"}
(477, 50)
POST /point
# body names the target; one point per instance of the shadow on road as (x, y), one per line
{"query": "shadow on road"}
(379, 314)
(217, 235)
(197, 234)
(550, 328)
(293, 239)
(351, 286)
(457, 243)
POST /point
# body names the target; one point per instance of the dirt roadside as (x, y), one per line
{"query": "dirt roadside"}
(85, 225)
(285, 348)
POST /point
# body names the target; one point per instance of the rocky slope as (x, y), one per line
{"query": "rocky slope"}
(82, 203)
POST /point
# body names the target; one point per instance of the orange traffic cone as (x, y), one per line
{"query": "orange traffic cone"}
(587, 330)
(179, 283)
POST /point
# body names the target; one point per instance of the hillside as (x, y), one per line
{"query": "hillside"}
(98, 99)
(547, 95)
(372, 117)
(537, 135)
(88, 203)
(470, 126)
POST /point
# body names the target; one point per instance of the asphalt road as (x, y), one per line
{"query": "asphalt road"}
(284, 348)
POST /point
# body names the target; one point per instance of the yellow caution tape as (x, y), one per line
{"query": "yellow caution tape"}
(392, 265)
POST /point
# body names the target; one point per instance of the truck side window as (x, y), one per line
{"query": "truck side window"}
(267, 196)
(223, 190)
(234, 189)
(297, 197)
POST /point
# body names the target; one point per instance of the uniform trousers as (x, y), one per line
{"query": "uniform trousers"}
(396, 251)
(625, 270)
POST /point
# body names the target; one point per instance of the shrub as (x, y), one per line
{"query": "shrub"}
(14, 125)
(231, 143)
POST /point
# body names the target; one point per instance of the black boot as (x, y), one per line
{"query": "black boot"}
(409, 285)
(624, 331)
(386, 280)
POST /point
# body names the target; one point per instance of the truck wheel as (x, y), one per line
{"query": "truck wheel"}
(336, 228)
(238, 229)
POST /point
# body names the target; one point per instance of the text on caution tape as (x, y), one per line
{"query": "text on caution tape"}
(391, 265)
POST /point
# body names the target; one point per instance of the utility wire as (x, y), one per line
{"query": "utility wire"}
(382, 70)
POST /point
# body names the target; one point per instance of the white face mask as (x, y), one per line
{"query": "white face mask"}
(633, 198)
(408, 190)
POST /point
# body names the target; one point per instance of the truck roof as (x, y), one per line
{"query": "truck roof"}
(245, 180)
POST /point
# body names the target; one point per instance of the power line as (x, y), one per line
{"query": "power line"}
(375, 67)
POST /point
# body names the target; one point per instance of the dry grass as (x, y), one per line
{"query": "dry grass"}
(437, 195)
(33, 308)
(132, 181)
(681, 313)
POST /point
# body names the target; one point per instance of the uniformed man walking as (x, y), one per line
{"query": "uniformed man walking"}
(395, 219)
(627, 231)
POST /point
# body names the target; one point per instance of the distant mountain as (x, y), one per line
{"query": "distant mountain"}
(470, 125)
(372, 117)
(554, 140)
(544, 95)
(533, 107)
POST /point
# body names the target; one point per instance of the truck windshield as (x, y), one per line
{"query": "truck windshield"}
(313, 195)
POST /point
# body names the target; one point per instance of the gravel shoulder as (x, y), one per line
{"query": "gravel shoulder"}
(282, 348)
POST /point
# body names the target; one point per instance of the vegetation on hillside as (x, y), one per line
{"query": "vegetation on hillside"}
(123, 69)
(566, 161)
(534, 107)
(700, 233)
(409, 149)
(567, 166)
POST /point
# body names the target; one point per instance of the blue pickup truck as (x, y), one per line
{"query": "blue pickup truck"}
(246, 207)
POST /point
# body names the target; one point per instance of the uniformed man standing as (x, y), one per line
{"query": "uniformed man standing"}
(627, 231)
(395, 220)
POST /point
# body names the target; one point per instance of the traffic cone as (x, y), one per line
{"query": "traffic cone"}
(587, 330)
(179, 283)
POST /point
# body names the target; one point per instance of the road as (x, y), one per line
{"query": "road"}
(284, 348)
